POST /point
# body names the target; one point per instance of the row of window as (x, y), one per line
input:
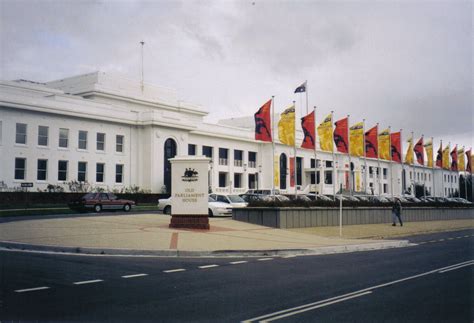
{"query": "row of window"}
(63, 167)
(224, 155)
(420, 176)
(450, 178)
(43, 138)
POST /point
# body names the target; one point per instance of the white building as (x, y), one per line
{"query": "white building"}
(108, 131)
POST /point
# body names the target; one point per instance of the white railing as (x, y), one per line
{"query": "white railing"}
(229, 190)
(223, 161)
(252, 164)
(238, 163)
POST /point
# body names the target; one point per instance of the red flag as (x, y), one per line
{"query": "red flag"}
(454, 158)
(292, 171)
(307, 123)
(396, 147)
(439, 156)
(263, 122)
(468, 164)
(419, 152)
(371, 143)
(341, 135)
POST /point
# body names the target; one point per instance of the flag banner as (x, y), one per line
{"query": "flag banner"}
(263, 122)
(469, 161)
(276, 173)
(384, 144)
(409, 154)
(341, 136)
(356, 134)
(446, 163)
(307, 124)
(325, 134)
(439, 156)
(292, 171)
(419, 152)
(396, 146)
(301, 88)
(454, 158)
(429, 153)
(371, 143)
(461, 164)
(286, 126)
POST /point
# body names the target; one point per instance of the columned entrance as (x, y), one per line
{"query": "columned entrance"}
(169, 152)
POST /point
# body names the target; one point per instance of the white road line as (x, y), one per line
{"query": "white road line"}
(238, 262)
(291, 256)
(450, 238)
(466, 236)
(88, 282)
(458, 237)
(174, 270)
(454, 268)
(317, 306)
(31, 289)
(422, 242)
(264, 259)
(135, 275)
(208, 266)
(441, 240)
(358, 292)
(432, 241)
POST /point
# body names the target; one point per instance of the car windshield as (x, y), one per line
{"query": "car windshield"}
(210, 199)
(235, 199)
(89, 196)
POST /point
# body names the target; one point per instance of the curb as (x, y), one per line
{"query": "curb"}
(18, 246)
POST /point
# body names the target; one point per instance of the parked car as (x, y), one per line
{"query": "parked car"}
(234, 200)
(214, 208)
(101, 201)
(299, 197)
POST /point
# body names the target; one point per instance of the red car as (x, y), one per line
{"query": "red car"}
(101, 201)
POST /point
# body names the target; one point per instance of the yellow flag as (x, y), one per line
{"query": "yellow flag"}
(461, 165)
(276, 173)
(429, 152)
(357, 181)
(325, 134)
(356, 139)
(286, 126)
(409, 155)
(446, 164)
(384, 145)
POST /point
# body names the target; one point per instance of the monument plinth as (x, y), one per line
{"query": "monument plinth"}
(189, 192)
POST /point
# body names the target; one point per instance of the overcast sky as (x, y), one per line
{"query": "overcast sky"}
(408, 64)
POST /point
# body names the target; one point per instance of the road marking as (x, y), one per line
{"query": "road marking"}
(368, 289)
(174, 270)
(441, 240)
(457, 267)
(422, 242)
(466, 236)
(317, 306)
(135, 275)
(450, 238)
(458, 237)
(88, 282)
(264, 259)
(432, 241)
(208, 266)
(31, 289)
(291, 256)
(238, 262)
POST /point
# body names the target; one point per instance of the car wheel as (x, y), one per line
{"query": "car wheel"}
(97, 208)
(167, 210)
(126, 207)
(210, 213)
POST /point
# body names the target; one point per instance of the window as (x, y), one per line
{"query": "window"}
(223, 155)
(222, 179)
(385, 188)
(20, 168)
(418, 176)
(63, 137)
(410, 175)
(328, 177)
(100, 141)
(191, 150)
(62, 170)
(119, 144)
(252, 159)
(328, 163)
(237, 180)
(0, 132)
(42, 173)
(371, 172)
(82, 144)
(99, 172)
(253, 181)
(238, 156)
(317, 178)
(207, 151)
(43, 136)
(82, 171)
(429, 177)
(299, 171)
(385, 172)
(118, 173)
(20, 133)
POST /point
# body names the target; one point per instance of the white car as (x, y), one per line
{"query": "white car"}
(233, 200)
(214, 207)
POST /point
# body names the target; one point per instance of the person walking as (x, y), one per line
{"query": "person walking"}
(397, 212)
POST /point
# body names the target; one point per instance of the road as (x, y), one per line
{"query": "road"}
(429, 282)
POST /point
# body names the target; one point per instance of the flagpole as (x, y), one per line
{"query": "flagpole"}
(315, 153)
(465, 172)
(432, 167)
(424, 174)
(365, 157)
(413, 165)
(442, 169)
(333, 163)
(349, 152)
(273, 145)
(379, 173)
(404, 178)
(294, 147)
(306, 91)
(391, 160)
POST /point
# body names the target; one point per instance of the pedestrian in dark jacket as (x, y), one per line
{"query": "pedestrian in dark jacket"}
(397, 212)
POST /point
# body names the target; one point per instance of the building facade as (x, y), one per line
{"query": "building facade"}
(113, 133)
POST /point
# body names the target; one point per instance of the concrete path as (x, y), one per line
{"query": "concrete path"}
(148, 234)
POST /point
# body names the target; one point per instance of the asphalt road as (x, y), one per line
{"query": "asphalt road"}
(430, 282)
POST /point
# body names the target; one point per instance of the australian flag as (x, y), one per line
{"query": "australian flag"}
(301, 88)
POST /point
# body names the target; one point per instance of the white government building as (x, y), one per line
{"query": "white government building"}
(114, 133)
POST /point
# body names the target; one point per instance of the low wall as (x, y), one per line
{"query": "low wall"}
(286, 218)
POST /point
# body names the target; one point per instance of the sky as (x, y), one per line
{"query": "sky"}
(404, 64)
